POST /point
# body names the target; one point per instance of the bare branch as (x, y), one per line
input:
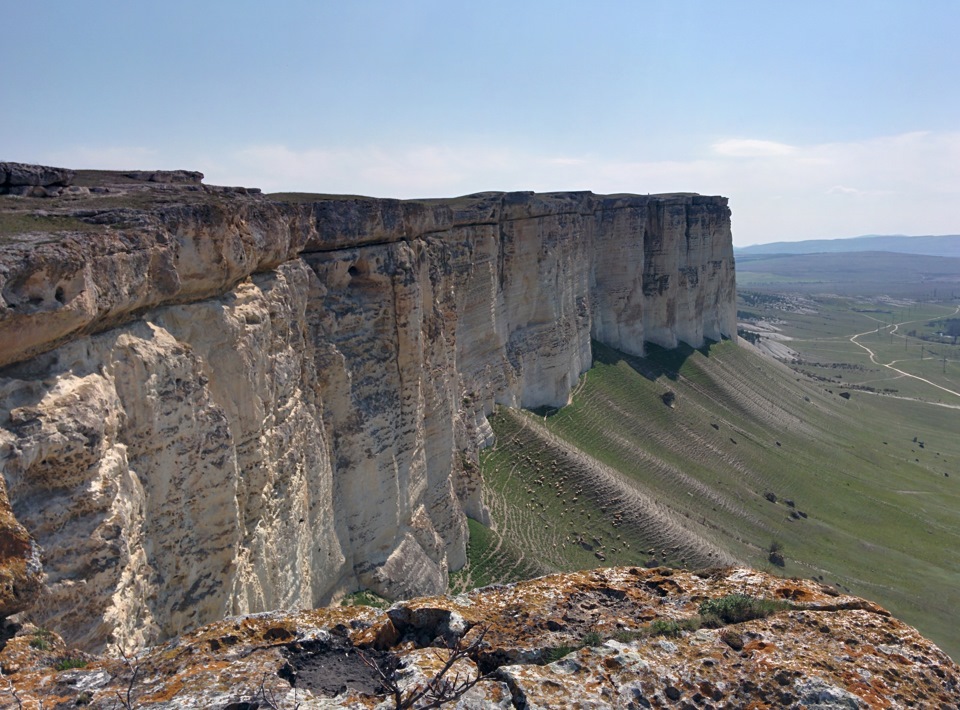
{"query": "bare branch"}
(126, 699)
(439, 690)
(13, 690)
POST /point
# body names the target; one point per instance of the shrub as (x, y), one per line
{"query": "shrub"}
(674, 628)
(42, 640)
(365, 598)
(736, 608)
(550, 655)
(591, 639)
(66, 664)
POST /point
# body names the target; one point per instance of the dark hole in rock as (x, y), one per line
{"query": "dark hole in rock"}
(277, 633)
(329, 668)
(59, 295)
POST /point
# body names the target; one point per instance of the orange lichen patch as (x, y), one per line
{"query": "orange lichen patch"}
(759, 645)
(167, 693)
(664, 586)
(794, 593)
(380, 635)
(31, 648)
(20, 577)
(876, 697)
(849, 604)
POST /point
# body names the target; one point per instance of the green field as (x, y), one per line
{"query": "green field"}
(866, 490)
(852, 274)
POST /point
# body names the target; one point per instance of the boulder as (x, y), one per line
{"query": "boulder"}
(14, 176)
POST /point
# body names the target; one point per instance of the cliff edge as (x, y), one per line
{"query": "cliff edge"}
(217, 402)
(616, 637)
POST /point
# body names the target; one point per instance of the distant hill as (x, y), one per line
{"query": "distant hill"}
(852, 273)
(944, 245)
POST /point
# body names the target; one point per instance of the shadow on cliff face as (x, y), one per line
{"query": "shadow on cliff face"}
(658, 361)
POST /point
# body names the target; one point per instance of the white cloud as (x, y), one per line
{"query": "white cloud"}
(855, 192)
(750, 148)
(844, 190)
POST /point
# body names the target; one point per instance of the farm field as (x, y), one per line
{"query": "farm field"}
(870, 274)
(889, 346)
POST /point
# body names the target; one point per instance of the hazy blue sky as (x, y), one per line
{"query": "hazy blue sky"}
(817, 119)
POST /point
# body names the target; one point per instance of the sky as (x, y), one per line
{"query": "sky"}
(817, 119)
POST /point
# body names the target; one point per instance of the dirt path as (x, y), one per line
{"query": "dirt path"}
(890, 365)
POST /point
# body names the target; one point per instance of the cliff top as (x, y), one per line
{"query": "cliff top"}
(62, 200)
(82, 251)
(608, 637)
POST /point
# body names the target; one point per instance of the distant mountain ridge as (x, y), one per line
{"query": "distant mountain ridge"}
(942, 245)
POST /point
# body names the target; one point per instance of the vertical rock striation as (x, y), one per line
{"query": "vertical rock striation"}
(239, 404)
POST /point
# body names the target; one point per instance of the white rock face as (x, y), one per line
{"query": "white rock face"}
(257, 431)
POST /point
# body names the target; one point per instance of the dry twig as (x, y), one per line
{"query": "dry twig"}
(438, 690)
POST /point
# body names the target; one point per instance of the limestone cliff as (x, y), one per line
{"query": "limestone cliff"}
(216, 402)
(610, 638)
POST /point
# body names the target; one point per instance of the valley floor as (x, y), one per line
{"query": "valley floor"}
(696, 458)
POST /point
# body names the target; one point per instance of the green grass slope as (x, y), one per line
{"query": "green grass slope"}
(748, 457)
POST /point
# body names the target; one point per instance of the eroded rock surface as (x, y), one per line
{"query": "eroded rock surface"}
(595, 639)
(216, 402)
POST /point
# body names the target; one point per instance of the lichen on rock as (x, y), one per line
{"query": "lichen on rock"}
(585, 639)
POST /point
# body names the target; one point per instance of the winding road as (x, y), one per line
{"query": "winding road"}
(890, 365)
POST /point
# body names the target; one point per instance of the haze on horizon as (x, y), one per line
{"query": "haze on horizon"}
(818, 120)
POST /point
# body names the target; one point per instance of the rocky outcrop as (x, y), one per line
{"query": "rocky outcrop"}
(33, 180)
(622, 637)
(215, 402)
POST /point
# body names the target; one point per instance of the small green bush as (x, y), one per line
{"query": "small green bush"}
(736, 608)
(66, 664)
(674, 628)
(624, 636)
(42, 640)
(365, 598)
(591, 639)
(555, 654)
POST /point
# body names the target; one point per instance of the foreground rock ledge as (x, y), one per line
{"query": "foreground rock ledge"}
(823, 651)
